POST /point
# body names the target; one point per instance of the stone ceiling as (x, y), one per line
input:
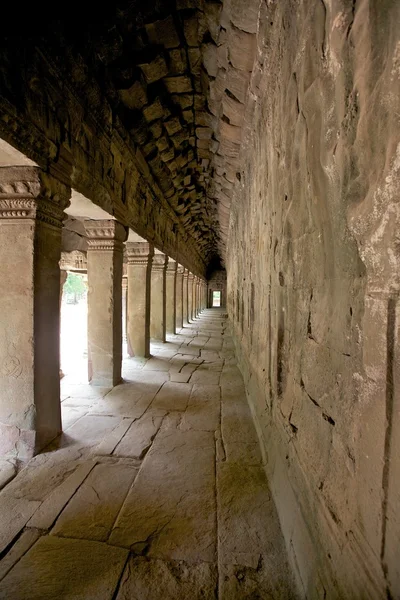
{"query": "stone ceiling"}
(177, 74)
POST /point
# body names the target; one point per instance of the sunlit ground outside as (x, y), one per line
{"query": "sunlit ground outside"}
(73, 346)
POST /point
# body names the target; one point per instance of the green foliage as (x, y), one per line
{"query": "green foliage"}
(74, 285)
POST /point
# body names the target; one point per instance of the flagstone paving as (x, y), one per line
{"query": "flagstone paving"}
(155, 489)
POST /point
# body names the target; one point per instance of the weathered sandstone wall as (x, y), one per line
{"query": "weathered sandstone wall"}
(313, 285)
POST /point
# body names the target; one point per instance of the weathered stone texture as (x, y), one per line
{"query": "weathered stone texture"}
(313, 283)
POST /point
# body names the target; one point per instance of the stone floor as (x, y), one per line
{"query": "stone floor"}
(155, 489)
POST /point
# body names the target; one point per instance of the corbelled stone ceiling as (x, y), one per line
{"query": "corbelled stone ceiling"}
(176, 73)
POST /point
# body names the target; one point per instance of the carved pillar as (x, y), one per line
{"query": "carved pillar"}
(158, 300)
(105, 260)
(190, 297)
(31, 215)
(201, 295)
(170, 296)
(198, 296)
(179, 297)
(185, 299)
(140, 258)
(194, 283)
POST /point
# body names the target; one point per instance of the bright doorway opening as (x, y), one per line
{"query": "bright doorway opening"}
(74, 327)
(216, 299)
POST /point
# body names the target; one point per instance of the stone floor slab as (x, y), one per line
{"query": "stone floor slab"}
(149, 579)
(139, 437)
(45, 516)
(203, 411)
(56, 568)
(172, 396)
(247, 520)
(14, 514)
(89, 430)
(205, 376)
(91, 513)
(170, 510)
(21, 546)
(179, 377)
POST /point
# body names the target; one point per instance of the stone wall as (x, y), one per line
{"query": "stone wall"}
(313, 285)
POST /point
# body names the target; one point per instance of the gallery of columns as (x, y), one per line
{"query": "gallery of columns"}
(159, 295)
(199, 300)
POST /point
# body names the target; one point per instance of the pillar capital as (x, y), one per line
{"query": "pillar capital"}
(30, 193)
(139, 253)
(191, 276)
(186, 273)
(160, 262)
(105, 235)
(171, 267)
(180, 269)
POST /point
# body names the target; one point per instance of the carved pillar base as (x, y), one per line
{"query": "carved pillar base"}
(105, 261)
(31, 215)
(140, 258)
(158, 305)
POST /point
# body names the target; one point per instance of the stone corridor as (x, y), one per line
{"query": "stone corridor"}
(156, 484)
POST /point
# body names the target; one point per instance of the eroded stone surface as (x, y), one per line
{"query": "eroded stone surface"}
(170, 510)
(90, 514)
(65, 568)
(144, 578)
(139, 437)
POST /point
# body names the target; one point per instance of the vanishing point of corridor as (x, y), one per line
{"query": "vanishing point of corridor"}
(155, 489)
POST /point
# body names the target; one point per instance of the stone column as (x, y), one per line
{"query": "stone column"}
(140, 258)
(194, 283)
(170, 292)
(190, 297)
(105, 261)
(185, 299)
(157, 302)
(31, 215)
(198, 290)
(179, 297)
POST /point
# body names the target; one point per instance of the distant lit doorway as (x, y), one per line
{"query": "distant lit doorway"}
(216, 299)
(73, 345)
